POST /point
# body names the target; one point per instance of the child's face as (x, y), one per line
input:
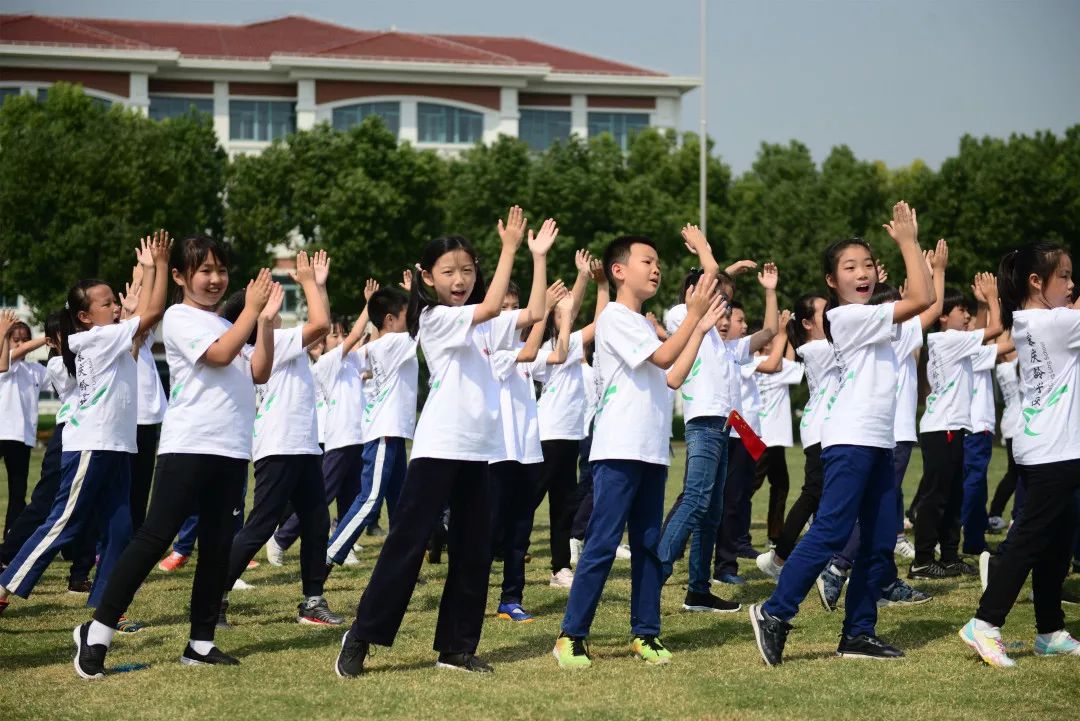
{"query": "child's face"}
(737, 327)
(394, 323)
(334, 337)
(206, 285)
(1058, 289)
(452, 277)
(956, 319)
(102, 308)
(816, 329)
(510, 302)
(640, 274)
(855, 276)
(17, 336)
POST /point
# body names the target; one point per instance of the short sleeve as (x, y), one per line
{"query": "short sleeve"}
(358, 360)
(739, 350)
(192, 333)
(674, 318)
(957, 344)
(503, 363)
(327, 367)
(56, 374)
(628, 335)
(1067, 323)
(984, 359)
(105, 342)
(39, 372)
(504, 331)
(538, 369)
(747, 370)
(854, 326)
(397, 348)
(445, 326)
(910, 338)
(791, 372)
(575, 350)
(288, 344)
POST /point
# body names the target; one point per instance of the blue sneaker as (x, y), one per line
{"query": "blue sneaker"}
(732, 578)
(830, 584)
(1058, 643)
(514, 612)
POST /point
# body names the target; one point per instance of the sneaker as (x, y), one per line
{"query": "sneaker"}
(173, 562)
(830, 584)
(463, 662)
(514, 612)
(350, 659)
(215, 657)
(251, 564)
(962, 568)
(317, 613)
(241, 585)
(126, 625)
(987, 643)
(575, 550)
(984, 569)
(867, 646)
(572, 652)
(932, 571)
(376, 531)
(89, 660)
(904, 548)
(996, 524)
(1058, 643)
(899, 593)
(748, 552)
(563, 578)
(650, 650)
(709, 603)
(351, 559)
(222, 619)
(82, 586)
(766, 563)
(357, 548)
(622, 552)
(770, 633)
(275, 554)
(730, 578)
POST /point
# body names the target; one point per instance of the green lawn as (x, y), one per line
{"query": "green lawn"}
(716, 674)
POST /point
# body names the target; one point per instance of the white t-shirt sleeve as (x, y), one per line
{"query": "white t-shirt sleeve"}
(327, 367)
(674, 318)
(630, 339)
(193, 336)
(395, 350)
(1067, 320)
(503, 363)
(984, 359)
(790, 373)
(740, 350)
(504, 331)
(854, 326)
(445, 326)
(288, 344)
(103, 343)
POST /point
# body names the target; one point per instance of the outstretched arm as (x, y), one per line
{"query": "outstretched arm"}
(769, 279)
(904, 229)
(603, 295)
(311, 275)
(357, 332)
(262, 359)
(775, 360)
(555, 293)
(511, 233)
(539, 245)
(937, 261)
(222, 351)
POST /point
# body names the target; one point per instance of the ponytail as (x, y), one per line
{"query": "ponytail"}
(1040, 258)
(804, 310)
(77, 302)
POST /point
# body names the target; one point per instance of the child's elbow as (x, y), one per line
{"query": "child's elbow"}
(673, 384)
(260, 375)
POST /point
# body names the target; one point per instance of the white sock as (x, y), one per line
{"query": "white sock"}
(312, 600)
(1046, 637)
(984, 626)
(99, 634)
(201, 647)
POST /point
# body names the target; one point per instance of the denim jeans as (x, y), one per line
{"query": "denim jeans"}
(701, 506)
(977, 450)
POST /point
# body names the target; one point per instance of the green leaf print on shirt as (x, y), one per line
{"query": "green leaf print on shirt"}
(694, 370)
(1031, 413)
(935, 397)
(175, 391)
(89, 404)
(370, 405)
(611, 390)
(265, 407)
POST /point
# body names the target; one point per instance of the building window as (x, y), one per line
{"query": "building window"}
(43, 93)
(541, 128)
(349, 115)
(620, 125)
(446, 124)
(261, 119)
(163, 107)
(5, 92)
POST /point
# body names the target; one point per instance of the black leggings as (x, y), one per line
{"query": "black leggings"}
(142, 471)
(558, 479)
(805, 505)
(773, 464)
(940, 496)
(16, 456)
(211, 486)
(1007, 486)
(429, 482)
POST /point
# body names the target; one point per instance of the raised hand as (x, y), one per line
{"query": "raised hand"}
(258, 290)
(904, 226)
(985, 287)
(583, 262)
(555, 293)
(303, 273)
(144, 253)
(513, 230)
(320, 264)
(769, 276)
(565, 308)
(406, 280)
(785, 318)
(129, 299)
(7, 319)
(273, 302)
(713, 315)
(695, 240)
(739, 267)
(541, 243)
(700, 296)
(596, 267)
(941, 256)
(161, 247)
(882, 274)
(370, 287)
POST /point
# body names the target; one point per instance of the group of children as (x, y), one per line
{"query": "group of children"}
(326, 415)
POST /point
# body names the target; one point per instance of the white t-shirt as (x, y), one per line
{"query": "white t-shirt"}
(983, 412)
(707, 390)
(517, 408)
(460, 419)
(20, 386)
(862, 411)
(633, 417)
(1048, 348)
(593, 391)
(1009, 382)
(907, 379)
(320, 407)
(674, 318)
(343, 388)
(562, 405)
(390, 411)
(822, 377)
(285, 421)
(948, 369)
(152, 400)
(775, 412)
(211, 409)
(56, 375)
(108, 387)
(749, 395)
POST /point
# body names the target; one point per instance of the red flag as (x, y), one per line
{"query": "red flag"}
(750, 440)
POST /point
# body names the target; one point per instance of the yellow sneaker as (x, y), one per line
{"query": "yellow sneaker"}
(650, 650)
(572, 653)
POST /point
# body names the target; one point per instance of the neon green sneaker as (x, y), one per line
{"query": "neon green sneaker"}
(572, 653)
(650, 650)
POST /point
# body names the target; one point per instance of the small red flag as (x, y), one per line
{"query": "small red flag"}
(750, 440)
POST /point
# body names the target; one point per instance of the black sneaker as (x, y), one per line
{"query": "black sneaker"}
(317, 613)
(463, 662)
(79, 586)
(709, 603)
(867, 646)
(222, 619)
(89, 660)
(350, 659)
(770, 634)
(214, 658)
(932, 571)
(962, 568)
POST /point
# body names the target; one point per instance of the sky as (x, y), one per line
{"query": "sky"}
(895, 81)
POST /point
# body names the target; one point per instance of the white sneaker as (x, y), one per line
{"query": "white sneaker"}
(357, 548)
(996, 524)
(575, 550)
(351, 560)
(242, 585)
(275, 554)
(622, 552)
(767, 564)
(984, 569)
(904, 548)
(564, 578)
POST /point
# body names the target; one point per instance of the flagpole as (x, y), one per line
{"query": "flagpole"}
(703, 134)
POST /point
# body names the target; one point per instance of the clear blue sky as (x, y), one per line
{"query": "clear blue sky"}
(894, 80)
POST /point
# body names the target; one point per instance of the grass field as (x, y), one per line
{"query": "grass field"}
(716, 674)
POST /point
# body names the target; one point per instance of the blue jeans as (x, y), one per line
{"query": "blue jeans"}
(977, 450)
(901, 459)
(382, 476)
(701, 506)
(859, 487)
(624, 492)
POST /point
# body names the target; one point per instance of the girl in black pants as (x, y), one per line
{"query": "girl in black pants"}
(458, 433)
(204, 450)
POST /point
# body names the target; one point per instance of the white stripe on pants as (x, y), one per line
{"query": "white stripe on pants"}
(343, 534)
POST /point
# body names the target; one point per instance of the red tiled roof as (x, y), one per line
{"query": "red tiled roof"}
(298, 35)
